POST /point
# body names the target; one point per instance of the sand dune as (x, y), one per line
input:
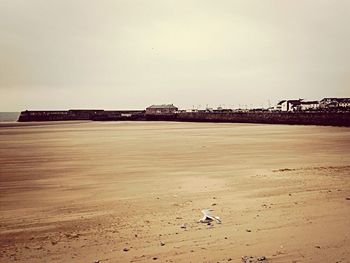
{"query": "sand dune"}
(133, 192)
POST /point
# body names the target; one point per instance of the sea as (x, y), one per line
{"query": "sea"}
(9, 116)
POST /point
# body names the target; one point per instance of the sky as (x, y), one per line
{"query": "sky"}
(129, 54)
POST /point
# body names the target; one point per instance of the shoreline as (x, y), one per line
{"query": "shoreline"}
(16, 124)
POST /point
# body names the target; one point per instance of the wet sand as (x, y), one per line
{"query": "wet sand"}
(134, 191)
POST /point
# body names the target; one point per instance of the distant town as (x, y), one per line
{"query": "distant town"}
(328, 111)
(294, 105)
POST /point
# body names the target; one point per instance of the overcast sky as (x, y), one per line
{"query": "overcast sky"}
(123, 54)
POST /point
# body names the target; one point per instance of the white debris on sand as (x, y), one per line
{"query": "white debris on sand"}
(209, 217)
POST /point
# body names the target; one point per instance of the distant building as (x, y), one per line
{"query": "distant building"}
(296, 105)
(335, 103)
(161, 109)
(288, 105)
(308, 105)
(191, 110)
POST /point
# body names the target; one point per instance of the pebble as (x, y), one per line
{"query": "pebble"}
(72, 235)
(247, 259)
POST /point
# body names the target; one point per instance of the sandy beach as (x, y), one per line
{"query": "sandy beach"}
(134, 191)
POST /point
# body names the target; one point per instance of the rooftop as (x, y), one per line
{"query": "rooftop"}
(309, 102)
(162, 106)
(337, 99)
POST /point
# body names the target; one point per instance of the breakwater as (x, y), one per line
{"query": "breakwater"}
(73, 115)
(301, 118)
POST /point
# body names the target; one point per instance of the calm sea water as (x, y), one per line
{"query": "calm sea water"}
(9, 116)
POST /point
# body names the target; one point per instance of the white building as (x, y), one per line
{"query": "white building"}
(191, 110)
(288, 105)
(335, 103)
(309, 105)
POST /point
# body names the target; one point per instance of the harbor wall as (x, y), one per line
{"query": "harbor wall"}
(300, 118)
(68, 115)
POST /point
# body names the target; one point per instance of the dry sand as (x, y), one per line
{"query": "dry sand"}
(120, 192)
